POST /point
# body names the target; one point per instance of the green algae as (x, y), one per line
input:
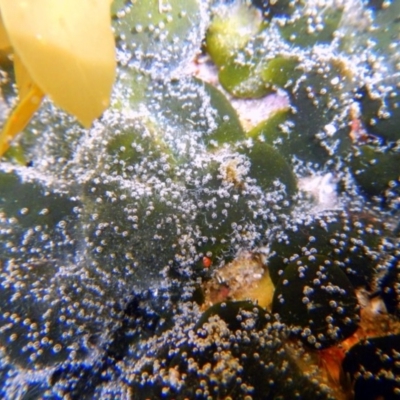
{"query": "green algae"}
(103, 293)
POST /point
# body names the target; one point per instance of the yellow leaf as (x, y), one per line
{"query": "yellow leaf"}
(20, 116)
(22, 78)
(68, 49)
(4, 42)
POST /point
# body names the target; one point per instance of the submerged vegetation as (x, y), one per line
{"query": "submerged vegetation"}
(228, 228)
(62, 49)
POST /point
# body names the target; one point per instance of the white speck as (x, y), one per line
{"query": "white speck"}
(335, 80)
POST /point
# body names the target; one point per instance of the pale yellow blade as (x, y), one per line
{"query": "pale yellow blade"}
(20, 116)
(4, 42)
(68, 48)
(22, 78)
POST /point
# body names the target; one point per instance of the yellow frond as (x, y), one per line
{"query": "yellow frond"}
(68, 49)
(20, 116)
(4, 41)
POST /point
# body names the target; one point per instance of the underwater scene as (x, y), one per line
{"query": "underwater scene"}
(200, 199)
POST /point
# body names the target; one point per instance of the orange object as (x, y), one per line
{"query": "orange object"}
(207, 262)
(20, 117)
